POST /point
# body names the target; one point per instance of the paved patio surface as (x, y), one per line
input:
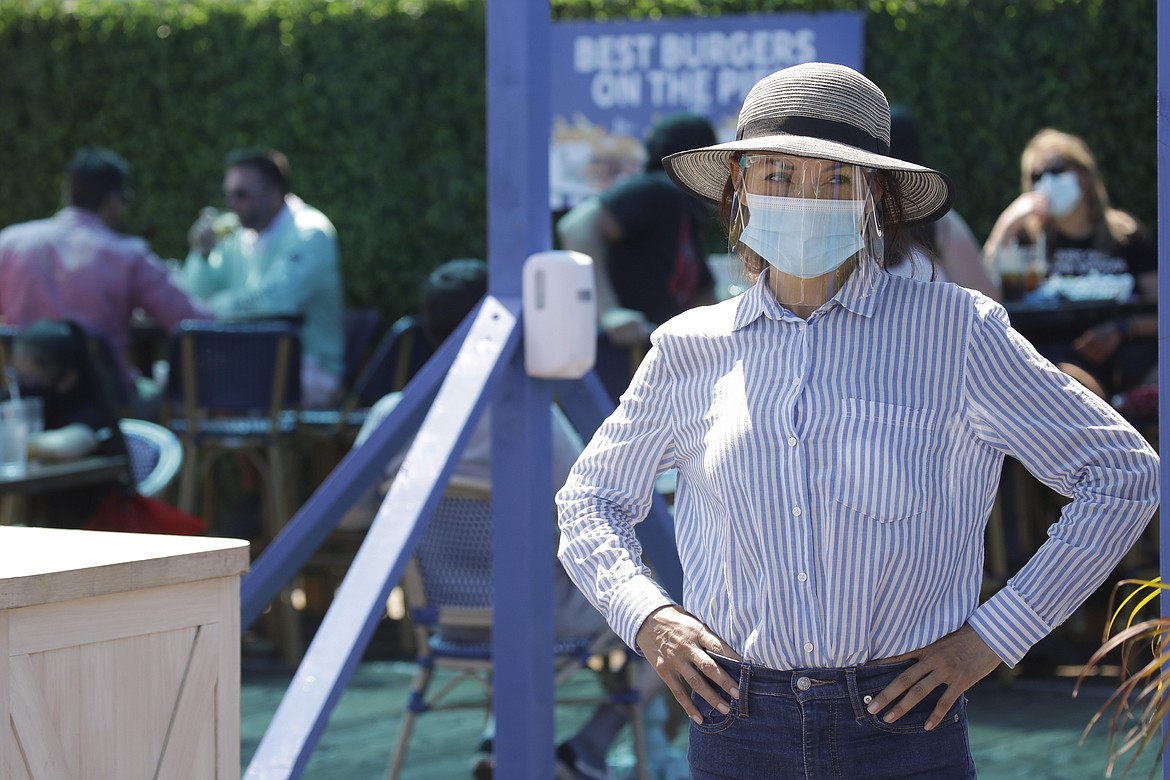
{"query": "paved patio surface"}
(1021, 729)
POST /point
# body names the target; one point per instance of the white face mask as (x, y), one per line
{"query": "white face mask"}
(1063, 191)
(803, 237)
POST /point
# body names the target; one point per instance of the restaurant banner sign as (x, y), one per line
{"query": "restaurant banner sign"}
(612, 81)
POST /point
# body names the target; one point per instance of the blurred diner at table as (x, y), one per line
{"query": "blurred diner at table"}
(51, 360)
(645, 237)
(281, 261)
(75, 265)
(1063, 230)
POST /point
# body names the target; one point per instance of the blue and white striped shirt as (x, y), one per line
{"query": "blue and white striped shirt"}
(835, 476)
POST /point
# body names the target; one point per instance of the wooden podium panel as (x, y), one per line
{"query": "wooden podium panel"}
(119, 655)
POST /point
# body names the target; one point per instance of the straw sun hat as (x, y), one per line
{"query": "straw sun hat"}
(815, 110)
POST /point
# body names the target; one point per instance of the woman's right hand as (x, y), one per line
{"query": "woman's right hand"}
(1011, 222)
(1028, 204)
(202, 236)
(678, 646)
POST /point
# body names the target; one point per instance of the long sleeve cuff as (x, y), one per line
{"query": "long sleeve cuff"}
(1008, 625)
(632, 603)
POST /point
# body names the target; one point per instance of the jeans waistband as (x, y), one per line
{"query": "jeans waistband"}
(855, 683)
(763, 673)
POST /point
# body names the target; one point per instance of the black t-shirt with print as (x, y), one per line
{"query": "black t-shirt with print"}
(659, 267)
(1135, 255)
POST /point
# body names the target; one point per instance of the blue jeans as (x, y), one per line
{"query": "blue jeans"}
(811, 724)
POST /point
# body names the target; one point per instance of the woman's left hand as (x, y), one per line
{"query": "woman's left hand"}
(957, 660)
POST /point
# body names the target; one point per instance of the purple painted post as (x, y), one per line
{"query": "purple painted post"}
(518, 225)
(1164, 290)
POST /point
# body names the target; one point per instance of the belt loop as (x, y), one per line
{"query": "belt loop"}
(859, 712)
(745, 678)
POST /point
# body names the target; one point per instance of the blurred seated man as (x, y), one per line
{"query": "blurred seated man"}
(281, 261)
(449, 294)
(75, 266)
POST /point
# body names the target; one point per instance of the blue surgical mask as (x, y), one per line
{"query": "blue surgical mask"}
(803, 237)
(1063, 191)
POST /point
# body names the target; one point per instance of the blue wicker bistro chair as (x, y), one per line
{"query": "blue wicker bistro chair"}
(361, 331)
(7, 334)
(234, 387)
(101, 353)
(155, 455)
(449, 592)
(398, 357)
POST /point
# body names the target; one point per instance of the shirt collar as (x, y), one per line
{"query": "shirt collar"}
(276, 224)
(80, 215)
(261, 239)
(759, 301)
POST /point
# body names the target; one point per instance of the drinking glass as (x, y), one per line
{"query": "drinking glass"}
(1011, 262)
(34, 415)
(13, 439)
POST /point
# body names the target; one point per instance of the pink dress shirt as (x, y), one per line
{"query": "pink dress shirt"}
(73, 266)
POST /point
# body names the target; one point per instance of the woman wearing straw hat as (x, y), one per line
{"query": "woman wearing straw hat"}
(838, 434)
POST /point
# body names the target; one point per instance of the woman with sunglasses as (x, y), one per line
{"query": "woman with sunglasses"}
(839, 433)
(1065, 208)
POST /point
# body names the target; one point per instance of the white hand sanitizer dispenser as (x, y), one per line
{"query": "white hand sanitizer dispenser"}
(560, 315)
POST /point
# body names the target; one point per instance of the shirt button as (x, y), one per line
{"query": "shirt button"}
(791, 441)
(796, 511)
(803, 683)
(808, 648)
(802, 577)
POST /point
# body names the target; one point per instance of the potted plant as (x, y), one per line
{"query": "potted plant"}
(1138, 707)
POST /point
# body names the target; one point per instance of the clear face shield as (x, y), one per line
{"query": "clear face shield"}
(813, 221)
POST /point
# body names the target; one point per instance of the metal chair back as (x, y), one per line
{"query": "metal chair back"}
(453, 562)
(155, 455)
(361, 330)
(239, 385)
(7, 334)
(251, 369)
(101, 355)
(399, 355)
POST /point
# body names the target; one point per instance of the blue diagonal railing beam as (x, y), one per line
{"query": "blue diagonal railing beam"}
(353, 615)
(357, 472)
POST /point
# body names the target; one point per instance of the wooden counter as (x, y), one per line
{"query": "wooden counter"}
(119, 655)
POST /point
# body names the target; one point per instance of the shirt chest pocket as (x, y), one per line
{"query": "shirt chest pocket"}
(887, 457)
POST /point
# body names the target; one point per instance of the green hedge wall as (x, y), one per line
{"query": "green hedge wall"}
(380, 105)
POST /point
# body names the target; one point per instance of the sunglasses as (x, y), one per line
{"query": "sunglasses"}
(238, 194)
(1055, 168)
